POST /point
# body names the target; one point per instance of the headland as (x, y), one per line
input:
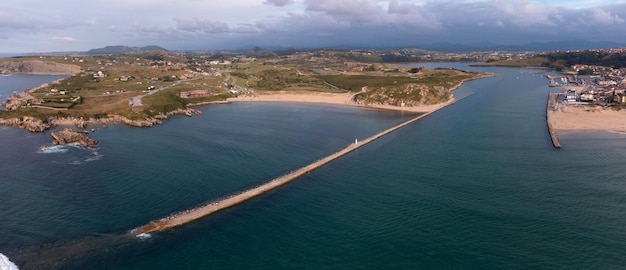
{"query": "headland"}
(145, 89)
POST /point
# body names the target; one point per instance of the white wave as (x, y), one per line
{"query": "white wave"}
(52, 149)
(6, 264)
(144, 236)
(92, 157)
(618, 132)
(59, 149)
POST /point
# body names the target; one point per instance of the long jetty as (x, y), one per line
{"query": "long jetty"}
(190, 215)
(551, 106)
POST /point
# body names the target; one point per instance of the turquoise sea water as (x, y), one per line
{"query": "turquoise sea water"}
(476, 185)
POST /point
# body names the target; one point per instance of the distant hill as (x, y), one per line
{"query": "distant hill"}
(124, 49)
(566, 45)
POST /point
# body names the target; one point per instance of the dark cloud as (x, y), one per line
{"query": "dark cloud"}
(279, 3)
(349, 11)
(324, 23)
(201, 26)
(307, 23)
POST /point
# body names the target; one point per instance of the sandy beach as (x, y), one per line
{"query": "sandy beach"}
(587, 118)
(330, 98)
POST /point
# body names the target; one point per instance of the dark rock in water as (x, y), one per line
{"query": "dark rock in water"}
(67, 136)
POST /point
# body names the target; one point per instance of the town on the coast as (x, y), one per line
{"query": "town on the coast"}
(592, 85)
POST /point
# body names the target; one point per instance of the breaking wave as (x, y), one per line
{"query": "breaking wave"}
(6, 264)
(53, 149)
(93, 154)
(92, 157)
(144, 236)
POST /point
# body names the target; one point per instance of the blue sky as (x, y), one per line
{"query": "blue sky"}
(70, 25)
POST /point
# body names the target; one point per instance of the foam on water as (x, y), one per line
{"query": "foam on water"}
(144, 236)
(6, 264)
(92, 157)
(53, 149)
(59, 149)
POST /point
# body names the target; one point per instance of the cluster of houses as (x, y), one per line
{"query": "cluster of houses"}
(604, 85)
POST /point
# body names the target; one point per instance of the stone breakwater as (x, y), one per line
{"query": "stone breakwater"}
(550, 108)
(190, 215)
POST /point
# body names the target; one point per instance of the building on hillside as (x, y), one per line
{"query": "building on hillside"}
(194, 93)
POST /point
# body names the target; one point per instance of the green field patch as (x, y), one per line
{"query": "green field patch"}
(356, 82)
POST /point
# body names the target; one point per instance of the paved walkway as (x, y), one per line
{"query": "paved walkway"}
(136, 100)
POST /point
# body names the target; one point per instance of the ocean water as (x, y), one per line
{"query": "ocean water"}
(10, 84)
(476, 185)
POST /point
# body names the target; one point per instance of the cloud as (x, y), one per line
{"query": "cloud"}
(279, 3)
(396, 7)
(91, 21)
(346, 10)
(65, 39)
(603, 17)
(308, 23)
(16, 19)
(201, 25)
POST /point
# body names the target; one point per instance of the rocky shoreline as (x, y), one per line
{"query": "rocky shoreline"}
(33, 124)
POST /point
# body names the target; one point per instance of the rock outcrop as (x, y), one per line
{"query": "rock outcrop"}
(29, 123)
(67, 136)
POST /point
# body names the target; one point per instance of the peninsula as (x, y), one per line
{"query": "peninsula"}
(143, 89)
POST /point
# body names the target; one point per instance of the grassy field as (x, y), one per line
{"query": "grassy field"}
(128, 76)
(430, 87)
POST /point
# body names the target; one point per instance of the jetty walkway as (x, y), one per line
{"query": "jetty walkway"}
(552, 106)
(187, 216)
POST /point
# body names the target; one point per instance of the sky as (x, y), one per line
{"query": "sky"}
(73, 25)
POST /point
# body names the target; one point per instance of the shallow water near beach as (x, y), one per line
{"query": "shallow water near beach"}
(476, 185)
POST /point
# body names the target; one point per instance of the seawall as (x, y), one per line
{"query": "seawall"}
(551, 106)
(187, 216)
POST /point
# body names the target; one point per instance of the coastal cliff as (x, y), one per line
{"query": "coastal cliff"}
(67, 136)
(38, 67)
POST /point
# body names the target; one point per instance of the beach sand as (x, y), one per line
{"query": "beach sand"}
(330, 98)
(587, 118)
